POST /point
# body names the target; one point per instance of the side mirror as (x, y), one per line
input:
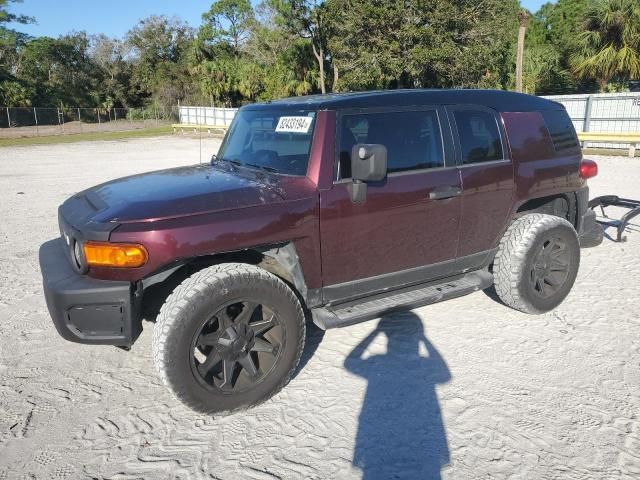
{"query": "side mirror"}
(368, 164)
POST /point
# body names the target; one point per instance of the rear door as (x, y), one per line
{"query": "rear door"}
(487, 180)
(399, 234)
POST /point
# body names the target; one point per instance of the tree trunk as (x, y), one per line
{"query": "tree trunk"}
(602, 84)
(319, 54)
(523, 17)
(335, 78)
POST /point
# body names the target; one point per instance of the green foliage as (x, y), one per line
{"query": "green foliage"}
(58, 70)
(428, 43)
(244, 52)
(7, 17)
(309, 20)
(115, 72)
(609, 48)
(552, 39)
(543, 67)
(12, 91)
(15, 93)
(160, 48)
(228, 22)
(563, 20)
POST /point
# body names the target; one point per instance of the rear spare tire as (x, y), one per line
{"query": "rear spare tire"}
(228, 337)
(537, 263)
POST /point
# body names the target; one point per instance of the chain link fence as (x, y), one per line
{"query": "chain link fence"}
(36, 121)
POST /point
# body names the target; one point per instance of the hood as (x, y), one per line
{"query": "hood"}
(171, 193)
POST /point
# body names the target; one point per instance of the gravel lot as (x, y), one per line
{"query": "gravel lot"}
(465, 389)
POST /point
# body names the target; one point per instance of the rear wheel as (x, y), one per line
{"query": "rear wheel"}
(537, 263)
(228, 337)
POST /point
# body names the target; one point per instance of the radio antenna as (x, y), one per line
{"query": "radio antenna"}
(200, 128)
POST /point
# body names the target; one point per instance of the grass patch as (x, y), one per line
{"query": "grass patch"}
(86, 137)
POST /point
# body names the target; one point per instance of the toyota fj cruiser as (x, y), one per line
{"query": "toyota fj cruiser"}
(341, 207)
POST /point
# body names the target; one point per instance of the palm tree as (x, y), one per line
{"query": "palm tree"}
(523, 19)
(609, 47)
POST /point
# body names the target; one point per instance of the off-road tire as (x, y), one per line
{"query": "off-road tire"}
(514, 261)
(198, 296)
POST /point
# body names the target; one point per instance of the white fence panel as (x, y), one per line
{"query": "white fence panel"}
(213, 116)
(603, 112)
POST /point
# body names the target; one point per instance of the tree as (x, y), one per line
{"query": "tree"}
(224, 73)
(12, 91)
(59, 70)
(287, 61)
(10, 38)
(114, 72)
(523, 18)
(160, 53)
(610, 44)
(554, 33)
(541, 69)
(564, 21)
(228, 21)
(306, 19)
(423, 43)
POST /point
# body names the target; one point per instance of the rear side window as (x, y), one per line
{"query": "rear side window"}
(561, 130)
(413, 139)
(479, 136)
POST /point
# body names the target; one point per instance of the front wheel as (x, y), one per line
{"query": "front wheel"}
(537, 263)
(229, 337)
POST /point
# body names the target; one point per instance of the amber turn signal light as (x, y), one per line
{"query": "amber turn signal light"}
(115, 255)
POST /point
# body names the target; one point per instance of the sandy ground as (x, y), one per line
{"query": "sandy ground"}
(465, 389)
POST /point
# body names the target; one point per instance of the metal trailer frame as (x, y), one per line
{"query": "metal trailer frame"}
(615, 201)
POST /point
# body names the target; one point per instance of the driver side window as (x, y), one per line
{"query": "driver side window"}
(412, 138)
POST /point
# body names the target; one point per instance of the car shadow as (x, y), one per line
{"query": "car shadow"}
(313, 339)
(400, 430)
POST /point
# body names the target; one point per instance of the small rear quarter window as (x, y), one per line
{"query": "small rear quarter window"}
(561, 130)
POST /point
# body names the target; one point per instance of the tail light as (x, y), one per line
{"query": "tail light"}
(588, 169)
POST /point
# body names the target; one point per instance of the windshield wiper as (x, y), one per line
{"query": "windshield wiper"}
(233, 161)
(262, 167)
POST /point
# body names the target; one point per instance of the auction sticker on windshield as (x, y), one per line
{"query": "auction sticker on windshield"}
(294, 124)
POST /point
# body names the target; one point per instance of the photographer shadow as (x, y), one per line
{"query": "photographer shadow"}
(400, 430)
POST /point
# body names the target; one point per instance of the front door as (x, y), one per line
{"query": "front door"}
(405, 231)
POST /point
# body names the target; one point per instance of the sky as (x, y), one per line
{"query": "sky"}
(116, 17)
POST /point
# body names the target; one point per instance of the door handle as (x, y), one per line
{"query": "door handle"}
(441, 193)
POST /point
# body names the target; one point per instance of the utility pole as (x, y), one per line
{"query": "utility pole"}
(523, 18)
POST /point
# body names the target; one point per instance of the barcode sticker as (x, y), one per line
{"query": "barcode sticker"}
(294, 124)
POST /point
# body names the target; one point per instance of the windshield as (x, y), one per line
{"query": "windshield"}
(272, 140)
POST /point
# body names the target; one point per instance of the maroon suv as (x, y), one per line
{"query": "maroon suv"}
(343, 207)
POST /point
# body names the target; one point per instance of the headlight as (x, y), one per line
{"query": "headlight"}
(124, 255)
(77, 255)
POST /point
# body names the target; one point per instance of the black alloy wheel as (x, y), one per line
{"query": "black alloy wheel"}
(537, 262)
(550, 267)
(237, 347)
(229, 337)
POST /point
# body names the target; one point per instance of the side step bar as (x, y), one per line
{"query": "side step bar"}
(368, 308)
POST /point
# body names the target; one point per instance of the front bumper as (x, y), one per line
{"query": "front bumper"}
(84, 309)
